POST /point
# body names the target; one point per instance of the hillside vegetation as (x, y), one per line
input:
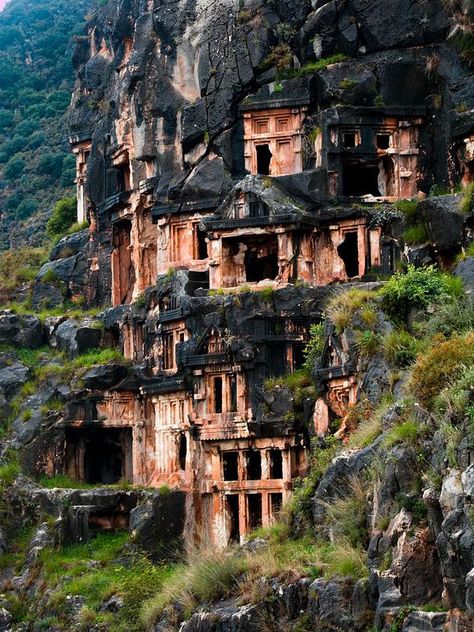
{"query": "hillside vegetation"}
(36, 80)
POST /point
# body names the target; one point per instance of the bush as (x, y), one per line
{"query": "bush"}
(26, 208)
(14, 168)
(62, 218)
(465, 205)
(416, 234)
(417, 288)
(315, 346)
(400, 347)
(448, 319)
(444, 360)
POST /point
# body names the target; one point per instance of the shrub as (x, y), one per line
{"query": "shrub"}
(343, 305)
(315, 345)
(456, 397)
(62, 218)
(368, 342)
(400, 347)
(346, 516)
(418, 287)
(14, 168)
(408, 208)
(448, 319)
(444, 360)
(465, 205)
(26, 208)
(416, 234)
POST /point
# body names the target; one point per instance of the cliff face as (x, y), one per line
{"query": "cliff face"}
(255, 175)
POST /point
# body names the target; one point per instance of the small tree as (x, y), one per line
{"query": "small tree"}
(62, 217)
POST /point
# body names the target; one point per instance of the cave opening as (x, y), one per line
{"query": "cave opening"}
(348, 250)
(254, 465)
(264, 157)
(360, 179)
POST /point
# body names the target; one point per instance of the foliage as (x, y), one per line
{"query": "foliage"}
(343, 305)
(61, 481)
(346, 514)
(400, 347)
(367, 342)
(417, 288)
(408, 208)
(444, 360)
(448, 318)
(415, 234)
(465, 205)
(62, 217)
(315, 345)
(20, 266)
(313, 66)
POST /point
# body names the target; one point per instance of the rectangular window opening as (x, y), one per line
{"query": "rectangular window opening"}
(254, 511)
(218, 394)
(276, 464)
(254, 465)
(230, 464)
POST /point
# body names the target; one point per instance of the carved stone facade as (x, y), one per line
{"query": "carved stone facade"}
(197, 221)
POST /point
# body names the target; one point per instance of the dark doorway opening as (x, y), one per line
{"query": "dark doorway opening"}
(103, 462)
(254, 508)
(264, 157)
(349, 253)
(183, 450)
(277, 360)
(349, 140)
(276, 502)
(218, 394)
(298, 357)
(382, 141)
(230, 464)
(360, 179)
(254, 465)
(261, 261)
(276, 464)
(201, 244)
(232, 506)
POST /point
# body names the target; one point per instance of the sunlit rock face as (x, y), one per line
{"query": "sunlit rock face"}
(256, 149)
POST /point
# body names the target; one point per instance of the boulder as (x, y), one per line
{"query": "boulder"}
(21, 330)
(105, 376)
(444, 222)
(470, 592)
(5, 620)
(465, 271)
(158, 523)
(420, 621)
(13, 374)
(76, 337)
(70, 245)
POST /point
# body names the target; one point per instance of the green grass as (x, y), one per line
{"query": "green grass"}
(68, 571)
(312, 67)
(415, 235)
(63, 482)
(407, 432)
(465, 205)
